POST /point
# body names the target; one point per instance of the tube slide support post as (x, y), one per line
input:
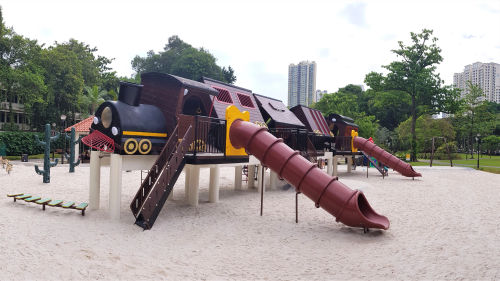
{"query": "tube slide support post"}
(251, 176)
(237, 177)
(262, 190)
(297, 207)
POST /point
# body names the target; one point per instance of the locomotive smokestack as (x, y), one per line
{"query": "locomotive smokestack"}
(130, 93)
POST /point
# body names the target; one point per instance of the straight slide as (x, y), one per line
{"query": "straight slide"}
(349, 206)
(385, 157)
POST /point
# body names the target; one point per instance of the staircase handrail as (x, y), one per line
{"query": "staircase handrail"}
(153, 173)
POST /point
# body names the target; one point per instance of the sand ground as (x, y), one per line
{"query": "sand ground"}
(445, 225)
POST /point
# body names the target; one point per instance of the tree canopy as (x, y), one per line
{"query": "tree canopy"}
(48, 81)
(414, 76)
(181, 59)
(346, 102)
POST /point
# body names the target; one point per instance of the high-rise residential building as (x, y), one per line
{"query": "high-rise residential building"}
(301, 83)
(486, 75)
(320, 94)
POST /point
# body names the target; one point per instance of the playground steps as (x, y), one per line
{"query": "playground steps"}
(161, 178)
(381, 169)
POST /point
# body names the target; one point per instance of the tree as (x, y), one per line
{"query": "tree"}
(95, 69)
(390, 107)
(346, 103)
(21, 78)
(491, 143)
(95, 96)
(64, 80)
(181, 59)
(340, 103)
(474, 117)
(425, 129)
(414, 75)
(69, 68)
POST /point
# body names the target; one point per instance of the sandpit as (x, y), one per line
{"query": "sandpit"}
(445, 225)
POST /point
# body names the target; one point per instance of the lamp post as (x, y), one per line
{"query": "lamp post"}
(478, 141)
(63, 119)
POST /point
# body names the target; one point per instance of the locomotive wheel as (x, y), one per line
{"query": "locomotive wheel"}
(130, 146)
(145, 146)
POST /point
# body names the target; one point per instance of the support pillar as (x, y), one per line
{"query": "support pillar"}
(115, 186)
(251, 179)
(349, 164)
(334, 162)
(273, 180)
(187, 179)
(95, 180)
(237, 177)
(261, 174)
(213, 188)
(194, 186)
(329, 163)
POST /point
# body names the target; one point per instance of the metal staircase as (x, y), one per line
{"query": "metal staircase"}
(161, 178)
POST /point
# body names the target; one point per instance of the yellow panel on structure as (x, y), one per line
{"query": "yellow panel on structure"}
(354, 134)
(144, 134)
(232, 114)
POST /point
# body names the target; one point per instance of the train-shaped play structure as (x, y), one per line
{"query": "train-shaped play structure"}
(168, 124)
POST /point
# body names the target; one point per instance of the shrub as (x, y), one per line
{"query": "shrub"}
(18, 143)
(442, 153)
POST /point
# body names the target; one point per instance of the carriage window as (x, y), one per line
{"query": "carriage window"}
(245, 100)
(224, 96)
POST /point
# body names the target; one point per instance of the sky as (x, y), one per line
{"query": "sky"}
(259, 39)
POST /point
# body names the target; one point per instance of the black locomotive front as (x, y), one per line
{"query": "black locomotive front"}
(127, 127)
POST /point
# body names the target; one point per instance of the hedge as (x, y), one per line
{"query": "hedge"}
(18, 143)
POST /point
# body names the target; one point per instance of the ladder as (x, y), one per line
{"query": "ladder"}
(377, 165)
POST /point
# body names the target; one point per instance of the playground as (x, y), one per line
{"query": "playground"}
(444, 225)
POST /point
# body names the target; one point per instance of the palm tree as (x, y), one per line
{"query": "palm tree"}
(93, 98)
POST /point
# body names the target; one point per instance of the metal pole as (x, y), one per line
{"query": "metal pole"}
(64, 141)
(432, 151)
(195, 135)
(262, 191)
(297, 207)
(478, 154)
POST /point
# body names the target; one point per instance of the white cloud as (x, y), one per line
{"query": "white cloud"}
(259, 39)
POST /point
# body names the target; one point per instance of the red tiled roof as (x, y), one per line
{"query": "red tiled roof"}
(82, 126)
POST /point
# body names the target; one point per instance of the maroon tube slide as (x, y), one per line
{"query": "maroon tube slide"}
(349, 206)
(385, 157)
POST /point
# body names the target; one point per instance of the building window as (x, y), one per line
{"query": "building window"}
(245, 100)
(224, 96)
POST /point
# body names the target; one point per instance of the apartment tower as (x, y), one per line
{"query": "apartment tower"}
(302, 83)
(486, 75)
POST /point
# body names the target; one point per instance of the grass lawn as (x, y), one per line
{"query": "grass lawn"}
(486, 163)
(427, 164)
